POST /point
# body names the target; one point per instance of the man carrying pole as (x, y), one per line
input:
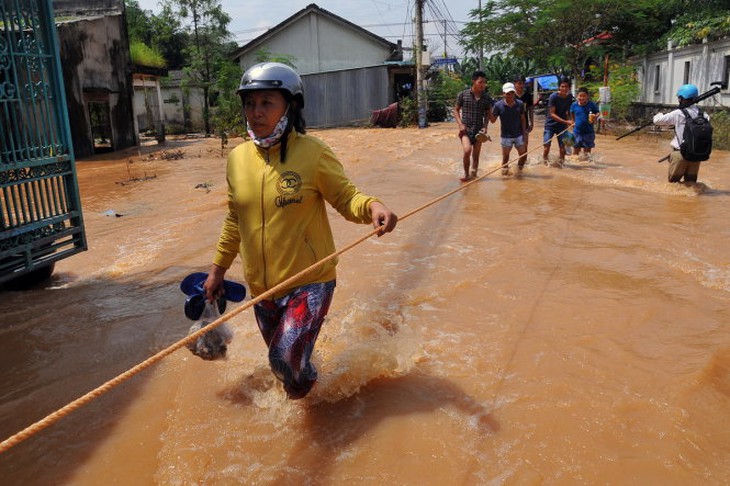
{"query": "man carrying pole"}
(692, 142)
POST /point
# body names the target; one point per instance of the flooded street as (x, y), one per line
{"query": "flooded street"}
(571, 326)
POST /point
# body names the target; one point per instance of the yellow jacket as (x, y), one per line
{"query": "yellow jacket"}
(277, 218)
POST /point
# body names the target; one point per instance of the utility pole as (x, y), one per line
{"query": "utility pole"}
(481, 44)
(420, 71)
(445, 54)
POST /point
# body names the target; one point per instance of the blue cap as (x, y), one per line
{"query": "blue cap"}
(688, 91)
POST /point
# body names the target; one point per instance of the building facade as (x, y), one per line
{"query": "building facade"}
(347, 71)
(662, 73)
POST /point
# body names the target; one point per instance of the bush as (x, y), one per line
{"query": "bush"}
(409, 112)
(721, 129)
(442, 93)
(142, 55)
(175, 129)
(624, 85)
(228, 112)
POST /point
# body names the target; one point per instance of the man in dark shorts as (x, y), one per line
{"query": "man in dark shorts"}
(558, 120)
(471, 112)
(525, 97)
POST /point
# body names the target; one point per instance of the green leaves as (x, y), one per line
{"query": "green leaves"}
(692, 28)
(142, 55)
(558, 31)
(206, 25)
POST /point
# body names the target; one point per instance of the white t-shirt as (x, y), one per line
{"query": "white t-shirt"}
(676, 118)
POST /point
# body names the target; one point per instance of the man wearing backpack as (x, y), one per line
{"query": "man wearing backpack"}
(692, 142)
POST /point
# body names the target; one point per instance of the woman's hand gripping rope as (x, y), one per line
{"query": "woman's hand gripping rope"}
(383, 218)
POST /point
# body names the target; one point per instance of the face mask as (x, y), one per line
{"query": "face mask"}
(273, 139)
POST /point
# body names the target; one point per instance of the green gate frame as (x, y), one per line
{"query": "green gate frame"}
(40, 210)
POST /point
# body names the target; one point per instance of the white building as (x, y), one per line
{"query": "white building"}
(348, 72)
(662, 73)
(319, 41)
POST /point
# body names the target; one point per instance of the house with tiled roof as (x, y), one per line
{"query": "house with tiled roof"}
(338, 60)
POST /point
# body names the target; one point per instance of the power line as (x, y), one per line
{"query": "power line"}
(442, 15)
(438, 15)
(248, 31)
(434, 34)
(364, 26)
(375, 4)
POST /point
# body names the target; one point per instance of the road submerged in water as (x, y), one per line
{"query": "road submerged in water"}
(568, 326)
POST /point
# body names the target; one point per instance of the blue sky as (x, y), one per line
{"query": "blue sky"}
(391, 19)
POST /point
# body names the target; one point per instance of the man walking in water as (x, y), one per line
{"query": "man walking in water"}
(472, 112)
(679, 167)
(557, 121)
(526, 97)
(511, 112)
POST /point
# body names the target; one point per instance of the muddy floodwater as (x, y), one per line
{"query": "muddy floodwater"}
(571, 326)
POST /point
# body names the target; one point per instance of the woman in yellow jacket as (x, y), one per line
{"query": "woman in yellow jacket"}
(278, 183)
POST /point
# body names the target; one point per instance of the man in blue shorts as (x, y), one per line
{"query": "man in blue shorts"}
(584, 113)
(558, 120)
(510, 112)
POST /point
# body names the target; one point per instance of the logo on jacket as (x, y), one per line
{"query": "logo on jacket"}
(288, 185)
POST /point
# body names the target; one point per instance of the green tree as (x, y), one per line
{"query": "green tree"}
(139, 23)
(696, 21)
(228, 115)
(264, 55)
(160, 33)
(207, 26)
(624, 84)
(501, 68)
(169, 38)
(466, 67)
(442, 92)
(555, 32)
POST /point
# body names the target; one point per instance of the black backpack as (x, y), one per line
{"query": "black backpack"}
(697, 141)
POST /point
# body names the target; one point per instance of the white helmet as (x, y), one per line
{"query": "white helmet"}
(272, 75)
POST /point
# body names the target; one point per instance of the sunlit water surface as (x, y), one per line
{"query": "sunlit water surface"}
(568, 327)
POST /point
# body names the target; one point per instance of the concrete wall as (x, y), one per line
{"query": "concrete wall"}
(85, 7)
(182, 107)
(96, 65)
(707, 63)
(319, 44)
(345, 97)
(173, 107)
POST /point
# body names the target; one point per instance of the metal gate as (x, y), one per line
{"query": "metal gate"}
(40, 209)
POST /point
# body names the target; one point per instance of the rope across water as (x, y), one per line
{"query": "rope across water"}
(54, 417)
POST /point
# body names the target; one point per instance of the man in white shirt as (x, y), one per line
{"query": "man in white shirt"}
(679, 167)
